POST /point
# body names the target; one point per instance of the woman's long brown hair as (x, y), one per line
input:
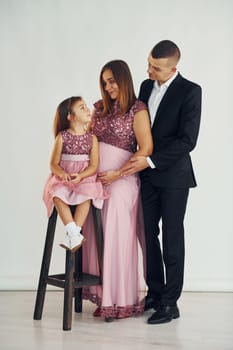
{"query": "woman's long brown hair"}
(123, 78)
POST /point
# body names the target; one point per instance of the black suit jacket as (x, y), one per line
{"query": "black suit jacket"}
(175, 131)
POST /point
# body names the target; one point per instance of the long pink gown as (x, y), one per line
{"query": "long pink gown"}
(122, 291)
(74, 158)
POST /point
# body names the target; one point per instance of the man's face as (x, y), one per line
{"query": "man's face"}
(160, 69)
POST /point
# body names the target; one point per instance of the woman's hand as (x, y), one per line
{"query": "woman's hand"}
(108, 177)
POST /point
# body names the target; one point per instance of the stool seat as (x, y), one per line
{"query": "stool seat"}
(73, 280)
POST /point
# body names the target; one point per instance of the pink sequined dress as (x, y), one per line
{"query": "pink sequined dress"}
(74, 159)
(122, 292)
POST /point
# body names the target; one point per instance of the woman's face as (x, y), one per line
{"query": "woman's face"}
(110, 85)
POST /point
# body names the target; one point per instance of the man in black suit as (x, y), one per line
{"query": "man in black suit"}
(174, 105)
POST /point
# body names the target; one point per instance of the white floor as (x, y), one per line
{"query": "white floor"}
(206, 323)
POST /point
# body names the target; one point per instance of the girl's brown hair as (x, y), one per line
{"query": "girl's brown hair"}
(123, 78)
(61, 121)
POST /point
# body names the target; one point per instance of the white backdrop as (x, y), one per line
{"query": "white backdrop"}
(52, 49)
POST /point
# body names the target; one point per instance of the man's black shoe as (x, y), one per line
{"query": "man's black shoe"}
(150, 303)
(164, 314)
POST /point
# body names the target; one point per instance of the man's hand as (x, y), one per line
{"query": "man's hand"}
(135, 164)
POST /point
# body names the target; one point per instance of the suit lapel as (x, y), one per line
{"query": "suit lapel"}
(148, 90)
(168, 94)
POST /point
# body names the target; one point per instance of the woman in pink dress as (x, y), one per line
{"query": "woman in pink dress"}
(74, 163)
(121, 124)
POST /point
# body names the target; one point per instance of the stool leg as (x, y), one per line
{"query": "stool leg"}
(98, 236)
(68, 290)
(78, 307)
(45, 266)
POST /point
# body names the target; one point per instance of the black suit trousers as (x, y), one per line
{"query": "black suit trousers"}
(165, 266)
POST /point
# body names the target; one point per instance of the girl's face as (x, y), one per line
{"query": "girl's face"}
(110, 85)
(81, 112)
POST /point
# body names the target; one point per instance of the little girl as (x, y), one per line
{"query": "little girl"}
(73, 164)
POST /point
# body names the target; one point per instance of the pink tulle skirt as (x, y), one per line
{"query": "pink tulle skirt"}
(70, 193)
(123, 289)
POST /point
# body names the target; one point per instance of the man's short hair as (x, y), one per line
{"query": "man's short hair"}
(165, 49)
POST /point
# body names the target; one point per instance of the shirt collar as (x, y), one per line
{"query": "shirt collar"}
(166, 84)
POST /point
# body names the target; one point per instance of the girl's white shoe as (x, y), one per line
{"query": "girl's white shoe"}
(76, 242)
(66, 243)
(73, 242)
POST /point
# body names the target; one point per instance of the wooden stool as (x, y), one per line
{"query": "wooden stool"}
(73, 280)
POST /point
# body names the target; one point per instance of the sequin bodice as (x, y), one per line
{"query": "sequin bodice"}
(115, 129)
(76, 144)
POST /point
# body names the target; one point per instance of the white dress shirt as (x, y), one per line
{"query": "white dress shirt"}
(155, 98)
